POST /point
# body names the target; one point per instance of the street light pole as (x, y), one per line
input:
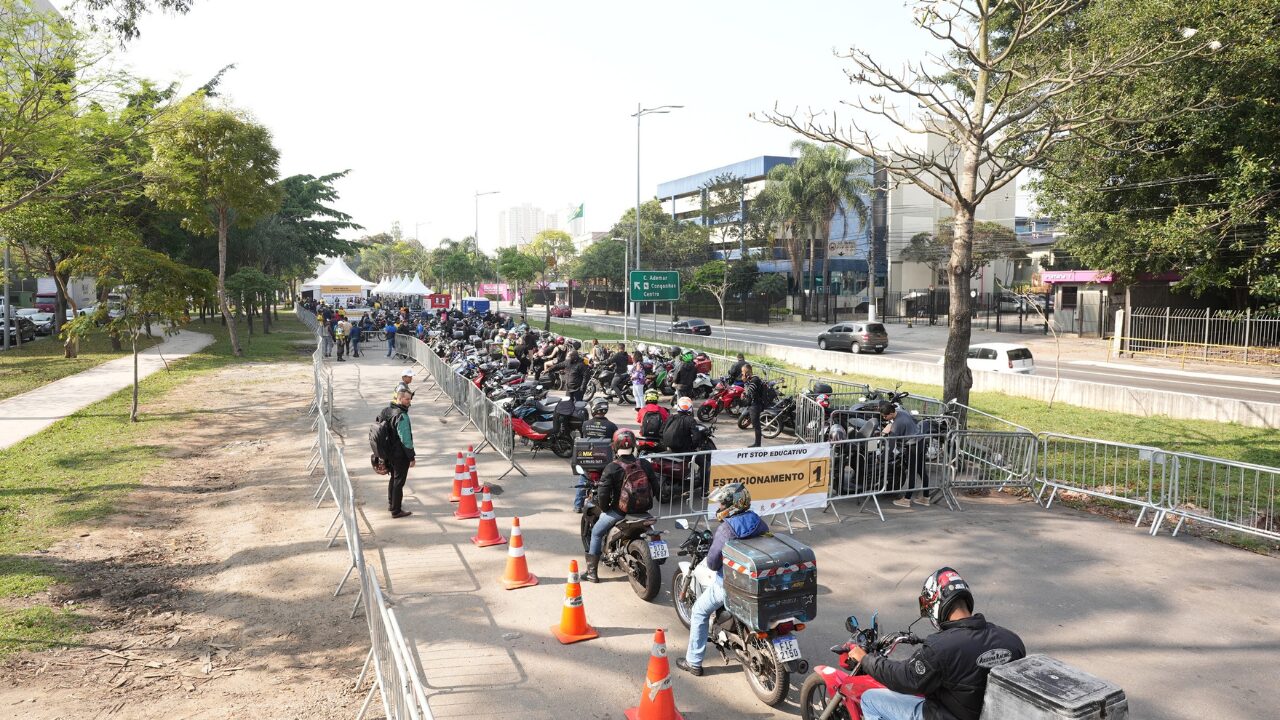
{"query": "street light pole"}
(641, 112)
(476, 234)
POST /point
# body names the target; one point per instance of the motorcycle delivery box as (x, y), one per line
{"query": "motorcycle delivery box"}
(592, 454)
(770, 578)
(1039, 687)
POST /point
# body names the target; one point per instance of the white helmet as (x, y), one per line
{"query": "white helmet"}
(641, 348)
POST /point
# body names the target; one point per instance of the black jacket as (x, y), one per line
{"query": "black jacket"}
(735, 370)
(951, 668)
(680, 433)
(576, 377)
(619, 362)
(754, 392)
(598, 428)
(686, 373)
(611, 483)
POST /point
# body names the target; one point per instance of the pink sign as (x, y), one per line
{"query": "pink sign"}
(499, 289)
(1075, 276)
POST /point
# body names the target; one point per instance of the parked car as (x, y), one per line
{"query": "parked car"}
(20, 327)
(692, 326)
(855, 337)
(27, 312)
(43, 322)
(1000, 357)
(1009, 302)
(562, 311)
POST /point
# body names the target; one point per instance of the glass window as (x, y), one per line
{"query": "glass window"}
(875, 328)
(1069, 296)
(972, 354)
(987, 354)
(1019, 354)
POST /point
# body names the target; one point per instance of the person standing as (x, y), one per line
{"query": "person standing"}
(401, 455)
(754, 393)
(637, 378)
(735, 370)
(342, 336)
(390, 330)
(576, 376)
(906, 444)
(356, 333)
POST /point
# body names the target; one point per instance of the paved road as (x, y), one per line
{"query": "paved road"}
(1095, 592)
(1082, 359)
(24, 415)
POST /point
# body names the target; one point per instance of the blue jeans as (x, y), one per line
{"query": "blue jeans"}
(391, 345)
(580, 494)
(355, 348)
(885, 704)
(704, 608)
(601, 528)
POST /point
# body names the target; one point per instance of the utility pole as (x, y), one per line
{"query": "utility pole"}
(8, 310)
(476, 234)
(641, 112)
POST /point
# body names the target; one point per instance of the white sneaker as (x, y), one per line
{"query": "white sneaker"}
(920, 501)
(902, 502)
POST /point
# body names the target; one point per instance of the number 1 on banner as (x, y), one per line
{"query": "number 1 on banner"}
(816, 468)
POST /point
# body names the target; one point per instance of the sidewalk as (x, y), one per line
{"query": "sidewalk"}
(22, 416)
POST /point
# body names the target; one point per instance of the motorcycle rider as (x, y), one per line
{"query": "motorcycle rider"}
(607, 495)
(576, 376)
(651, 429)
(618, 363)
(599, 426)
(684, 373)
(737, 520)
(735, 370)
(950, 669)
(680, 433)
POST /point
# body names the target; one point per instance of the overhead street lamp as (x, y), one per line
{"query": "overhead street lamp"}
(476, 234)
(641, 112)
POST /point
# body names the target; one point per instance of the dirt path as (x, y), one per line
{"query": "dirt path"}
(210, 594)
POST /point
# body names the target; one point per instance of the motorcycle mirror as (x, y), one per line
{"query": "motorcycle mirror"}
(875, 621)
(851, 624)
(578, 469)
(682, 523)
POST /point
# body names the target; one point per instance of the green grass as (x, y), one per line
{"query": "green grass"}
(1232, 442)
(78, 469)
(41, 362)
(37, 628)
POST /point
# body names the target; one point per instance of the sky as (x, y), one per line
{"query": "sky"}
(428, 102)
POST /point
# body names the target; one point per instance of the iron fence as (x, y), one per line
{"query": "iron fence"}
(1203, 334)
(1228, 494)
(1118, 472)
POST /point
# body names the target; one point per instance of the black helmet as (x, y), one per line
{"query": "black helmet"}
(942, 590)
(599, 407)
(624, 439)
(822, 388)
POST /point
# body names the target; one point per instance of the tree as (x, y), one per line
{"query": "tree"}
(1017, 79)
(991, 242)
(518, 269)
(121, 16)
(215, 167)
(713, 278)
(1192, 193)
(602, 262)
(770, 285)
(156, 289)
(930, 249)
(665, 242)
(555, 247)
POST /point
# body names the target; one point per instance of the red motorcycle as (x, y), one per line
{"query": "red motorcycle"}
(831, 693)
(723, 398)
(541, 439)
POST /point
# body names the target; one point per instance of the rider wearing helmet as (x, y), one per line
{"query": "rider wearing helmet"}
(950, 669)
(680, 432)
(599, 426)
(737, 520)
(684, 373)
(608, 493)
(651, 427)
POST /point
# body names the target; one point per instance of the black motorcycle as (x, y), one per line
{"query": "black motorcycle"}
(633, 546)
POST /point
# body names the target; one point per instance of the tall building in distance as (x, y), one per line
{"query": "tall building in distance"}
(519, 225)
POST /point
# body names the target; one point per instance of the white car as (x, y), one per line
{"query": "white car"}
(26, 312)
(1001, 357)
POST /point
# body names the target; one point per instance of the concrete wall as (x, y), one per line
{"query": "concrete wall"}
(1098, 396)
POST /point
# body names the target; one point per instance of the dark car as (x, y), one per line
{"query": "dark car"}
(20, 327)
(855, 336)
(691, 327)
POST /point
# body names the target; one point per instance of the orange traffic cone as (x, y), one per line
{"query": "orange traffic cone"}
(517, 574)
(656, 700)
(488, 533)
(459, 479)
(573, 625)
(472, 476)
(467, 509)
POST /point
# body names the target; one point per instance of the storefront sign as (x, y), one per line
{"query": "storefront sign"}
(781, 479)
(342, 290)
(438, 302)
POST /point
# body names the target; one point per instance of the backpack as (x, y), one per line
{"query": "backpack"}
(651, 424)
(382, 435)
(680, 434)
(636, 494)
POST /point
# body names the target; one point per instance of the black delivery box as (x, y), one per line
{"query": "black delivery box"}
(770, 578)
(592, 453)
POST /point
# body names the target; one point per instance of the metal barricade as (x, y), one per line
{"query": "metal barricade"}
(990, 459)
(973, 419)
(867, 468)
(1228, 494)
(683, 483)
(1117, 472)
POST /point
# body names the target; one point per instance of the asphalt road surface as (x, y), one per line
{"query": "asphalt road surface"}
(1082, 359)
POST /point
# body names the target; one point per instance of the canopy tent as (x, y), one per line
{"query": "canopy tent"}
(415, 287)
(381, 286)
(337, 279)
(397, 283)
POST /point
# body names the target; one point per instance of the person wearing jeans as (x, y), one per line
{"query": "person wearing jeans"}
(882, 704)
(390, 329)
(609, 493)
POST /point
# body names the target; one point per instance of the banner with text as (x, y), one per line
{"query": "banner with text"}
(781, 479)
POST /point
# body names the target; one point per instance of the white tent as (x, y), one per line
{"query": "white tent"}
(397, 285)
(415, 287)
(337, 279)
(382, 282)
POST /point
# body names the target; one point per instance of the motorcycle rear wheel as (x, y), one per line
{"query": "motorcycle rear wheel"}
(770, 426)
(684, 610)
(647, 579)
(562, 445)
(772, 682)
(593, 387)
(814, 698)
(744, 422)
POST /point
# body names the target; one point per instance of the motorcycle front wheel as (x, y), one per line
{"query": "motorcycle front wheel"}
(707, 413)
(771, 425)
(744, 422)
(771, 681)
(593, 387)
(684, 606)
(562, 445)
(644, 574)
(814, 698)
(588, 521)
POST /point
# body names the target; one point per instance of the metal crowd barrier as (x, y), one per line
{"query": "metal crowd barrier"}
(1117, 472)
(1225, 493)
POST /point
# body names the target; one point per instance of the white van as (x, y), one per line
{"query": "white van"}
(1001, 357)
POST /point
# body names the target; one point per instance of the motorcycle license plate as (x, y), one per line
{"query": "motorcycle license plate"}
(658, 550)
(787, 648)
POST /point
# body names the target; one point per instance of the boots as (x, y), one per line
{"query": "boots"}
(593, 564)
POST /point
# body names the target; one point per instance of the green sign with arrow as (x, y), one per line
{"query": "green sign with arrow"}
(655, 285)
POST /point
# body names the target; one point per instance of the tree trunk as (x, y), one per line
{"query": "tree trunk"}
(133, 410)
(223, 226)
(266, 313)
(116, 345)
(956, 377)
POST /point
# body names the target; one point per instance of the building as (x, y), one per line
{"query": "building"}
(519, 225)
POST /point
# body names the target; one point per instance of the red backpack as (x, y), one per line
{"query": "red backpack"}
(636, 494)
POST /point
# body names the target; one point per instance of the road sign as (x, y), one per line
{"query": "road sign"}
(841, 248)
(655, 285)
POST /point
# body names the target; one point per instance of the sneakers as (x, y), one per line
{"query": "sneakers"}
(902, 503)
(401, 513)
(694, 670)
(920, 501)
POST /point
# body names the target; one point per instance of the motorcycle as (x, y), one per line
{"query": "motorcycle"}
(534, 422)
(768, 658)
(723, 398)
(774, 419)
(835, 693)
(633, 546)
(673, 471)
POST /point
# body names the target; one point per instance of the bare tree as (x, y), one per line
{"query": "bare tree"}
(1016, 79)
